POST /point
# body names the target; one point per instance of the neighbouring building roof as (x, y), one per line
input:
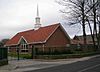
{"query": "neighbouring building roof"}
(89, 38)
(79, 39)
(34, 36)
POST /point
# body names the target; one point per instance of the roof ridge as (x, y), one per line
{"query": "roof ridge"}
(26, 31)
(50, 25)
(40, 27)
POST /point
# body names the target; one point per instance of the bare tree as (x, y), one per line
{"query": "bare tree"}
(83, 12)
(76, 13)
(93, 15)
(98, 21)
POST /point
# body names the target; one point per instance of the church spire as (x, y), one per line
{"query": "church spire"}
(37, 20)
(37, 11)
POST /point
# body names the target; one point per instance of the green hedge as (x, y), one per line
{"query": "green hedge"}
(64, 56)
(3, 56)
(3, 53)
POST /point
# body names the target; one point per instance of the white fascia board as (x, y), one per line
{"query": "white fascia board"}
(37, 42)
(65, 32)
(20, 40)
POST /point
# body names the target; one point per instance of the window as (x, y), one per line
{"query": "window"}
(24, 48)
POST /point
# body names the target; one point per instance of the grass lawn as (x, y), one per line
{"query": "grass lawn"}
(27, 56)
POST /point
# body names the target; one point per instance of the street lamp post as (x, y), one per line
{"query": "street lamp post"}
(18, 52)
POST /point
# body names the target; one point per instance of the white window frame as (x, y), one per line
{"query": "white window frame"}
(24, 47)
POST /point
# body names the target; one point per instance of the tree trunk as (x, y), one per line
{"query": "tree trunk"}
(91, 33)
(83, 25)
(99, 38)
(95, 26)
(98, 19)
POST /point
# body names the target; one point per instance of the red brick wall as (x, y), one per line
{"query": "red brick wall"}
(58, 39)
(12, 49)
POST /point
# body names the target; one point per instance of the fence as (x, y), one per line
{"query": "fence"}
(62, 50)
(88, 47)
(70, 51)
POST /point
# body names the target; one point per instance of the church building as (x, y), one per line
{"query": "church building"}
(52, 37)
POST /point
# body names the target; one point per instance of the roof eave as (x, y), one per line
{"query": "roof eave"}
(10, 45)
(40, 42)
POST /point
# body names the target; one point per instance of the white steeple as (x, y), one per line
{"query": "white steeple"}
(37, 20)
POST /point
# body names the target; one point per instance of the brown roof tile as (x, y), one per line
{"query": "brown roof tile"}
(34, 36)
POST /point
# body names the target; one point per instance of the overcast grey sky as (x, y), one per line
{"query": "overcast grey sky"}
(19, 15)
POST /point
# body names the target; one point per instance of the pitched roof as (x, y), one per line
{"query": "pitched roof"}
(79, 39)
(34, 36)
(77, 42)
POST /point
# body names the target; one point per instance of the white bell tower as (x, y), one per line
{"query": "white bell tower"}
(37, 20)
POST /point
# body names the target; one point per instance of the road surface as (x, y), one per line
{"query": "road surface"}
(91, 65)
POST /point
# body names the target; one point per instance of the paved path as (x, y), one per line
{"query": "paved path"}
(30, 65)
